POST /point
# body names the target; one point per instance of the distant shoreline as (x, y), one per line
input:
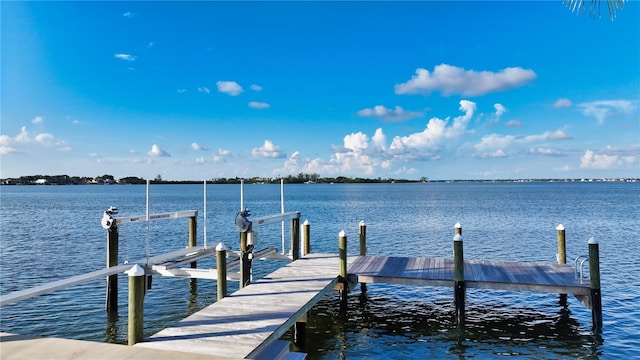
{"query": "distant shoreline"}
(300, 179)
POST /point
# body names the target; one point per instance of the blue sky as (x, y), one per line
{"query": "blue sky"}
(200, 90)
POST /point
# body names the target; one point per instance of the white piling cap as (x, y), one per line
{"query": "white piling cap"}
(560, 227)
(342, 234)
(361, 222)
(306, 222)
(457, 226)
(136, 270)
(457, 237)
(593, 241)
(220, 247)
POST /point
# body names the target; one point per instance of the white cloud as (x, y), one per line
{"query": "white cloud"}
(229, 87)
(559, 135)
(156, 151)
(490, 143)
(397, 114)
(258, 105)
(125, 57)
(435, 134)
(494, 141)
(204, 89)
(6, 146)
(562, 103)
(23, 136)
(182, 91)
(223, 152)
(268, 150)
(255, 87)
(12, 145)
(545, 152)
(37, 120)
(379, 139)
(493, 155)
(451, 80)
(514, 123)
(500, 109)
(197, 147)
(605, 109)
(44, 138)
(129, 14)
(592, 160)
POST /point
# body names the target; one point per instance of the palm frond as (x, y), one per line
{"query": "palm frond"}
(594, 6)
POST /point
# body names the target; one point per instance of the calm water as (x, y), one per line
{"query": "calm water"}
(53, 232)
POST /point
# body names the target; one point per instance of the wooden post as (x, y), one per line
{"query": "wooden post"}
(342, 247)
(458, 277)
(111, 302)
(300, 332)
(137, 287)
(562, 256)
(193, 236)
(562, 252)
(363, 238)
(295, 238)
(221, 266)
(306, 237)
(245, 261)
(594, 274)
(363, 249)
(193, 241)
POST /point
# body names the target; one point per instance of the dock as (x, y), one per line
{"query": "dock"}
(480, 274)
(247, 323)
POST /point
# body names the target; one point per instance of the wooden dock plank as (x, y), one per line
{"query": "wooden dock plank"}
(484, 274)
(245, 323)
(20, 347)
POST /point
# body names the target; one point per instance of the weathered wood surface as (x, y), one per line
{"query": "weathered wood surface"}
(20, 347)
(245, 323)
(482, 274)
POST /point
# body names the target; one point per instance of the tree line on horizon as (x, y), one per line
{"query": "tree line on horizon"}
(301, 178)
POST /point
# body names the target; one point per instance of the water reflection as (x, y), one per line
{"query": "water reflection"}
(378, 325)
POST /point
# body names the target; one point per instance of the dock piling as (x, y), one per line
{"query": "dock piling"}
(295, 238)
(458, 270)
(221, 266)
(342, 247)
(363, 238)
(193, 236)
(111, 302)
(363, 248)
(300, 332)
(137, 288)
(562, 256)
(594, 274)
(306, 237)
(245, 260)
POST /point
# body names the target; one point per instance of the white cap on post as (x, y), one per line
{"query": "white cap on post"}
(136, 270)
(560, 227)
(593, 241)
(306, 222)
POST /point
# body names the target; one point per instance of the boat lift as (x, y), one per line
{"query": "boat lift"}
(170, 263)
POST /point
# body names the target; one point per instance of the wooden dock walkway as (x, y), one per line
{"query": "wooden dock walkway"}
(248, 321)
(481, 274)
